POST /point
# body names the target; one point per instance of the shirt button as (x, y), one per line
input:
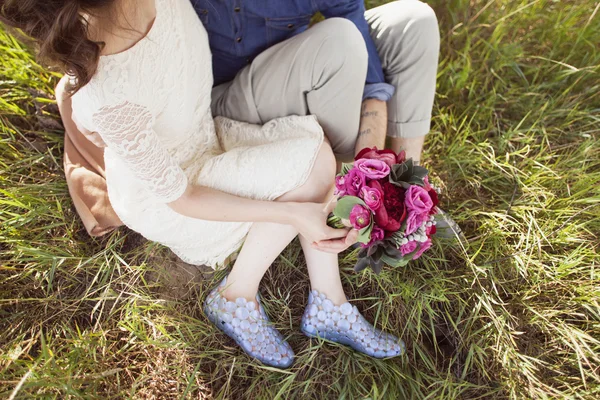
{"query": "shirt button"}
(237, 9)
(238, 39)
(290, 26)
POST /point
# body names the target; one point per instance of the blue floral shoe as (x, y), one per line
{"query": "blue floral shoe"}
(249, 326)
(345, 325)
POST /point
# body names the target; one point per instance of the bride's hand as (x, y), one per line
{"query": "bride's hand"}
(336, 246)
(310, 219)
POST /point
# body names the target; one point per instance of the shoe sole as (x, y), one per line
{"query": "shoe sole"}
(232, 337)
(344, 340)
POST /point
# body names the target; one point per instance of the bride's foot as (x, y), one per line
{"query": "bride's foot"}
(345, 325)
(248, 325)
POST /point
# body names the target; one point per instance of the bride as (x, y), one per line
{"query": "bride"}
(140, 77)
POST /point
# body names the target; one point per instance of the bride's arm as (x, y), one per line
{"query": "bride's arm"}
(308, 218)
(65, 107)
(128, 130)
(213, 205)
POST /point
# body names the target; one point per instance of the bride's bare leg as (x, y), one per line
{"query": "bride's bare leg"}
(330, 316)
(266, 241)
(324, 273)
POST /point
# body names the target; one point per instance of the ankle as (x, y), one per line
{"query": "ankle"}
(233, 290)
(337, 297)
(232, 294)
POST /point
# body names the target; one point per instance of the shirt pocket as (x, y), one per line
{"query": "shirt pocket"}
(202, 8)
(279, 29)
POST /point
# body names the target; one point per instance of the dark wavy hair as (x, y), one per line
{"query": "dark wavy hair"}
(61, 32)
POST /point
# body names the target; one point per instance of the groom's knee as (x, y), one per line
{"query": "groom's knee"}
(340, 48)
(414, 25)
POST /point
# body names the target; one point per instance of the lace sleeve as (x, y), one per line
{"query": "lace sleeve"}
(128, 130)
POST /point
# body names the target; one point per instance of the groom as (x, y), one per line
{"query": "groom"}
(364, 74)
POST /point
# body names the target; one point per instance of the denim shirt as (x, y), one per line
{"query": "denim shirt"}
(239, 30)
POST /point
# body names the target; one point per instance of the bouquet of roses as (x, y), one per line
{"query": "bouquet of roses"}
(389, 200)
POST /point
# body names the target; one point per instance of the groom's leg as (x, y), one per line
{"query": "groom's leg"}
(407, 38)
(321, 71)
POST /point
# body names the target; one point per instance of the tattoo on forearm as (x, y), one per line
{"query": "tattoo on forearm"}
(364, 132)
(370, 114)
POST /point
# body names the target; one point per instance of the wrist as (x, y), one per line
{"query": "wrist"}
(286, 212)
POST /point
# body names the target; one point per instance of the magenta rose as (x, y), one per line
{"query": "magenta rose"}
(372, 196)
(373, 169)
(426, 185)
(377, 234)
(360, 217)
(431, 230)
(385, 155)
(408, 248)
(418, 200)
(435, 200)
(422, 249)
(401, 157)
(354, 181)
(414, 221)
(340, 185)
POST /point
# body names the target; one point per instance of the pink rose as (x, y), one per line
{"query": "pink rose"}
(360, 217)
(372, 196)
(354, 181)
(385, 155)
(408, 248)
(377, 235)
(414, 221)
(422, 249)
(340, 185)
(418, 200)
(373, 169)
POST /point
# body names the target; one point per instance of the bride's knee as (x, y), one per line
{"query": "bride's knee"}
(323, 174)
(320, 181)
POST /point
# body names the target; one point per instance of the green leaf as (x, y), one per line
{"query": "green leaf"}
(395, 262)
(420, 172)
(398, 172)
(377, 265)
(407, 174)
(346, 167)
(362, 263)
(345, 206)
(415, 180)
(392, 252)
(372, 249)
(364, 235)
(378, 254)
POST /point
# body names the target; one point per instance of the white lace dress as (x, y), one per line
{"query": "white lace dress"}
(151, 106)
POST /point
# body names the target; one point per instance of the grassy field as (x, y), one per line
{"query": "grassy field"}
(514, 314)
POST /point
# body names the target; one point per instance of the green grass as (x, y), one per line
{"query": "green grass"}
(515, 314)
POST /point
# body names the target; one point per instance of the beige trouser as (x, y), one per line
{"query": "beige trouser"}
(322, 72)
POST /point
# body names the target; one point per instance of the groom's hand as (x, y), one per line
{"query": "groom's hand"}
(336, 246)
